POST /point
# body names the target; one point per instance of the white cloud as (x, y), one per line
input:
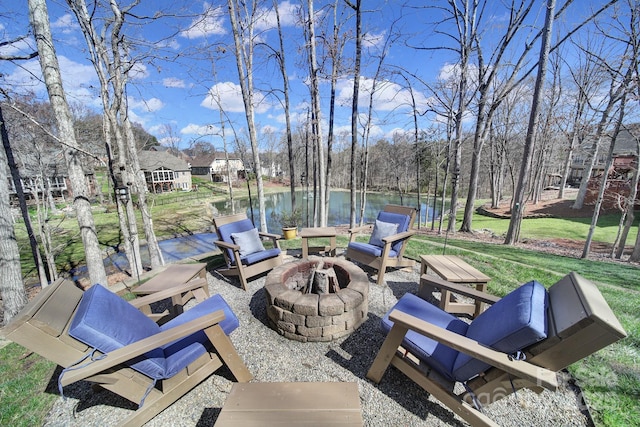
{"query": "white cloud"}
(201, 130)
(288, 16)
(147, 105)
(79, 80)
(169, 141)
(388, 96)
(373, 40)
(174, 82)
(268, 129)
(171, 44)
(20, 48)
(209, 23)
(138, 71)
(229, 96)
(66, 24)
(134, 118)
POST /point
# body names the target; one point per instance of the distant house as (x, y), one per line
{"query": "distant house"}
(213, 167)
(55, 180)
(625, 146)
(625, 162)
(164, 172)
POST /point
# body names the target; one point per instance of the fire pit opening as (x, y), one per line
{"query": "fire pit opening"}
(317, 299)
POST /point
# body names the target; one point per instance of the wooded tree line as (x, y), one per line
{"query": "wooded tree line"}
(515, 103)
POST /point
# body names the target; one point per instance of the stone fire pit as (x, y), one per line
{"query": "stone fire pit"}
(299, 310)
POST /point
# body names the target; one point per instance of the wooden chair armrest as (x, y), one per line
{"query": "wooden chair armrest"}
(433, 281)
(226, 245)
(138, 348)
(168, 293)
(520, 368)
(271, 236)
(353, 232)
(359, 228)
(399, 236)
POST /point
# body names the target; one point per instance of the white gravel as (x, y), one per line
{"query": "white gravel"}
(396, 401)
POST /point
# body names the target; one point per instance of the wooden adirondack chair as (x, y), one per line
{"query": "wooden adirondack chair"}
(388, 241)
(245, 258)
(47, 326)
(436, 350)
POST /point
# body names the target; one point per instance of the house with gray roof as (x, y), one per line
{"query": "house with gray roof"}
(213, 167)
(164, 172)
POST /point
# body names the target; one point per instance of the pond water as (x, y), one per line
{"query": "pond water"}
(339, 207)
(200, 243)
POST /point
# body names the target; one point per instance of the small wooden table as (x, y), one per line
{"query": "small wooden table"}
(318, 232)
(453, 269)
(173, 276)
(291, 404)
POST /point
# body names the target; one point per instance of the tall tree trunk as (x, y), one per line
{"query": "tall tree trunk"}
(316, 116)
(112, 87)
(630, 205)
(244, 64)
(517, 208)
(287, 114)
(607, 168)
(354, 108)
(15, 175)
(12, 290)
(39, 18)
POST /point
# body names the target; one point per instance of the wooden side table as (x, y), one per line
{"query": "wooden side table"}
(173, 276)
(318, 232)
(292, 404)
(453, 269)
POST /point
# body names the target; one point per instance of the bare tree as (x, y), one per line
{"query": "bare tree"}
(584, 78)
(244, 43)
(354, 107)
(316, 128)
(39, 18)
(517, 208)
(26, 217)
(287, 108)
(110, 56)
(12, 290)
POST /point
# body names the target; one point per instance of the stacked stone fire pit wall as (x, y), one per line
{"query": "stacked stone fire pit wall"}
(312, 317)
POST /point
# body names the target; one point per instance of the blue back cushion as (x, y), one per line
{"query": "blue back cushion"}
(401, 220)
(513, 323)
(107, 322)
(226, 230)
(438, 356)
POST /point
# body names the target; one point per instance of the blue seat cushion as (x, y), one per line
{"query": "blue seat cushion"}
(395, 218)
(259, 256)
(186, 350)
(513, 323)
(107, 322)
(438, 356)
(373, 250)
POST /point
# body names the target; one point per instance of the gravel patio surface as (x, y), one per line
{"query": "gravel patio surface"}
(270, 357)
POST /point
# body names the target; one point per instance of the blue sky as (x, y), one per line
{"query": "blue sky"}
(188, 57)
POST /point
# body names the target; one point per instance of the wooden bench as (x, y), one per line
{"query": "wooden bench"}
(298, 403)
